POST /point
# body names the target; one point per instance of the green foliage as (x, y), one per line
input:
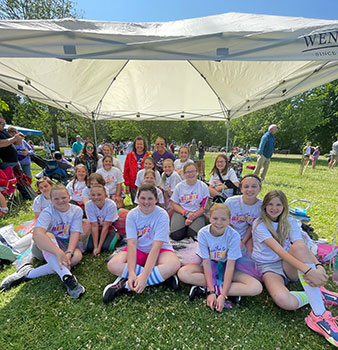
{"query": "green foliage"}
(37, 9)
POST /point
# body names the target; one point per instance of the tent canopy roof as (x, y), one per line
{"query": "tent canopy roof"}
(209, 68)
(26, 131)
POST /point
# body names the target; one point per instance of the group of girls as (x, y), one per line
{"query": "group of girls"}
(243, 229)
(279, 254)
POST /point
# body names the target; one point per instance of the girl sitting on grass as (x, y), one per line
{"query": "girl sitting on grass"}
(188, 201)
(77, 185)
(101, 212)
(245, 209)
(56, 236)
(149, 258)
(114, 180)
(170, 179)
(150, 178)
(93, 179)
(219, 247)
(221, 172)
(179, 164)
(149, 164)
(281, 255)
(42, 201)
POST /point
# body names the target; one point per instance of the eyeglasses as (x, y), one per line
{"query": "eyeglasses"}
(190, 172)
(2, 123)
(159, 144)
(90, 147)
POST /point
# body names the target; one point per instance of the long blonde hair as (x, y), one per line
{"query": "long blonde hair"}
(283, 223)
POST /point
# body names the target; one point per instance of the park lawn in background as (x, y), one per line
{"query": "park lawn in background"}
(40, 315)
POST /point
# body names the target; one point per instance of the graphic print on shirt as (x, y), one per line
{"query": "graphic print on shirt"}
(189, 198)
(243, 218)
(144, 231)
(218, 252)
(60, 229)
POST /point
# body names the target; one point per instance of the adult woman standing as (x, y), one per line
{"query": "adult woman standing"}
(161, 154)
(134, 163)
(88, 157)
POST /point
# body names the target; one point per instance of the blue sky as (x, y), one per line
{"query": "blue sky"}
(170, 10)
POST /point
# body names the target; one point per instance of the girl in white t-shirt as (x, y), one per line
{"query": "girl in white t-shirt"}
(42, 201)
(188, 201)
(148, 258)
(219, 247)
(93, 179)
(170, 179)
(245, 209)
(107, 150)
(101, 213)
(56, 237)
(220, 173)
(114, 180)
(77, 185)
(281, 254)
(149, 164)
(149, 178)
(179, 164)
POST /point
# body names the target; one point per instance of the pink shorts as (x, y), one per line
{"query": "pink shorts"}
(141, 257)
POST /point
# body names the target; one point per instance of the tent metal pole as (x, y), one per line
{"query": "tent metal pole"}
(228, 129)
(94, 128)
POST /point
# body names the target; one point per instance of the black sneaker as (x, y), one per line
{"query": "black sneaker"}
(74, 288)
(114, 290)
(235, 299)
(16, 277)
(172, 282)
(196, 292)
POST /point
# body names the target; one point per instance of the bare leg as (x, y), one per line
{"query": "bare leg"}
(244, 285)
(192, 274)
(117, 263)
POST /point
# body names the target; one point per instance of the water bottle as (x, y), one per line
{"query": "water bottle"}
(335, 270)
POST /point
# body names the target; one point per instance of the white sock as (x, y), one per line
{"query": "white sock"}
(53, 263)
(42, 270)
(313, 293)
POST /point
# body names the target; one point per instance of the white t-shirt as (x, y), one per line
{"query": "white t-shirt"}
(140, 178)
(76, 193)
(61, 224)
(148, 228)
(178, 165)
(220, 248)
(160, 198)
(116, 164)
(190, 197)
(230, 175)
(171, 182)
(242, 215)
(40, 203)
(261, 252)
(107, 213)
(113, 177)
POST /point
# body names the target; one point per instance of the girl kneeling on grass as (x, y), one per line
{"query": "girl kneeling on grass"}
(219, 247)
(56, 233)
(101, 213)
(149, 258)
(281, 254)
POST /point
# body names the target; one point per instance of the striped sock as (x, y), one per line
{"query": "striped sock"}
(301, 297)
(313, 293)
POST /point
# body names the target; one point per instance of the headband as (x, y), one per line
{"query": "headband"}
(252, 177)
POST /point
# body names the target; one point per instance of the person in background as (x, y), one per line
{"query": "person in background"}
(77, 146)
(334, 155)
(134, 163)
(172, 147)
(192, 149)
(62, 162)
(161, 154)
(129, 146)
(201, 150)
(24, 151)
(265, 151)
(315, 156)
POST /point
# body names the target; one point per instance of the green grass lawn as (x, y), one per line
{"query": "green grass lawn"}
(40, 315)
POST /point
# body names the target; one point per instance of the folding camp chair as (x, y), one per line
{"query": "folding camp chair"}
(8, 187)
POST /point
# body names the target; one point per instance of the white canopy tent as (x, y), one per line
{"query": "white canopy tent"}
(213, 68)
